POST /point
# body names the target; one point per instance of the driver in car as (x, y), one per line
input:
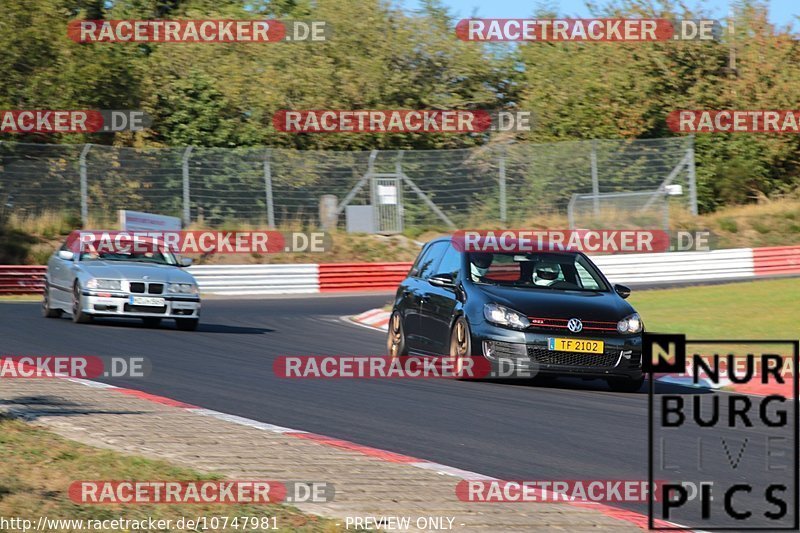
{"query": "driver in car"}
(546, 273)
(479, 265)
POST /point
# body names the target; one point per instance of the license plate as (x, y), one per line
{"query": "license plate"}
(145, 300)
(184, 305)
(559, 344)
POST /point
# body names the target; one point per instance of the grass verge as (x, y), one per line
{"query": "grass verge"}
(38, 467)
(766, 309)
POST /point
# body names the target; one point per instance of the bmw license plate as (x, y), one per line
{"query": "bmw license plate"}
(148, 301)
(560, 344)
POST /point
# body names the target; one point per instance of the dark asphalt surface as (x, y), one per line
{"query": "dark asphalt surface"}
(571, 429)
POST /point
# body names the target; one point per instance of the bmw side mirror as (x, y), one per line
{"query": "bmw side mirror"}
(622, 290)
(185, 262)
(66, 255)
(442, 280)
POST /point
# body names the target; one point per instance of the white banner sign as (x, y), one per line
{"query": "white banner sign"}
(138, 221)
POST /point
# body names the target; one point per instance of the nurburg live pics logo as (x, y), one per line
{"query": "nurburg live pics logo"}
(740, 449)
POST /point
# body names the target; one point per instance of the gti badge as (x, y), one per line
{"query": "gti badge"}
(574, 325)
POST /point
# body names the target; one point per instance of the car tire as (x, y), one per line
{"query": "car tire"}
(625, 384)
(78, 316)
(47, 311)
(187, 324)
(460, 343)
(151, 321)
(396, 337)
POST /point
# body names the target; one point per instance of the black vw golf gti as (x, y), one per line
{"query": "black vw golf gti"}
(554, 312)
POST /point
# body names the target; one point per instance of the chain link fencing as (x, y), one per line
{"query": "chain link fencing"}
(634, 183)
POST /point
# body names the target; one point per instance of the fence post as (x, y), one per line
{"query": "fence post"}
(84, 186)
(501, 165)
(268, 189)
(692, 176)
(187, 213)
(398, 169)
(595, 183)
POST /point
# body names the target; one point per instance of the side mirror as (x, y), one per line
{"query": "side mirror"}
(622, 290)
(185, 262)
(442, 280)
(66, 255)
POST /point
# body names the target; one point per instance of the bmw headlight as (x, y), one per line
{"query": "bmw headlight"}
(182, 288)
(108, 284)
(630, 324)
(499, 314)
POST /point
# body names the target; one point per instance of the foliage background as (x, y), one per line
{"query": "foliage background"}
(383, 57)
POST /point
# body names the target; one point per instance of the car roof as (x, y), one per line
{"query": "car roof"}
(449, 238)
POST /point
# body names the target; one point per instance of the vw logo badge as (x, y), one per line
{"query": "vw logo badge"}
(574, 325)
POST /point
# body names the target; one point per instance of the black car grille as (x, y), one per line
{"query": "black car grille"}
(152, 288)
(509, 350)
(145, 309)
(543, 356)
(561, 323)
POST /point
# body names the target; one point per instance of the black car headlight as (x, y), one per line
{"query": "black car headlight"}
(108, 284)
(503, 316)
(630, 324)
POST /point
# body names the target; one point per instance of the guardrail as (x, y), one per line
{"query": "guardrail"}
(776, 261)
(672, 267)
(339, 277)
(310, 278)
(233, 280)
(22, 279)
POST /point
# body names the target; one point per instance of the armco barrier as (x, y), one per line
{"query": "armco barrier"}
(235, 280)
(649, 269)
(672, 267)
(22, 279)
(776, 261)
(361, 276)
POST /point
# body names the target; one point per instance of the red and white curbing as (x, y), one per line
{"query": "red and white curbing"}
(633, 517)
(374, 318)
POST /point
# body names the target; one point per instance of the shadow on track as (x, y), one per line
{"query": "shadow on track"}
(598, 385)
(168, 325)
(29, 408)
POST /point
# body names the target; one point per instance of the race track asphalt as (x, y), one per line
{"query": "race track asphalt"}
(571, 429)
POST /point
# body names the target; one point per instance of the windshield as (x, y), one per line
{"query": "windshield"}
(157, 256)
(554, 271)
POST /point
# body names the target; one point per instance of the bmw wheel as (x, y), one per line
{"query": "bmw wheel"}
(47, 311)
(78, 316)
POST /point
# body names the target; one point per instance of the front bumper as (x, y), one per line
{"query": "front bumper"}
(121, 305)
(529, 351)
